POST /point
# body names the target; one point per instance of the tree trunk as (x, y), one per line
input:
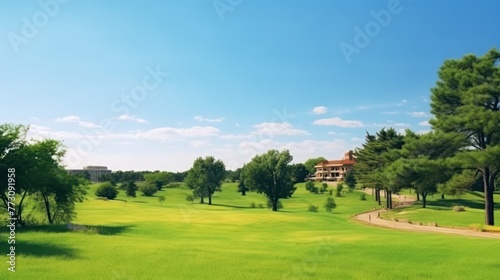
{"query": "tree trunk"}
(378, 197)
(202, 200)
(275, 205)
(20, 211)
(442, 196)
(418, 196)
(488, 197)
(209, 200)
(243, 193)
(47, 208)
(424, 199)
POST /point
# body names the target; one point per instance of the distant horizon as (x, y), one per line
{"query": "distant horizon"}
(151, 85)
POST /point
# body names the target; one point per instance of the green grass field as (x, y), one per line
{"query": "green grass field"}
(441, 211)
(139, 239)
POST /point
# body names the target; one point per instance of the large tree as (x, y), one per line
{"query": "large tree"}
(466, 100)
(377, 153)
(206, 177)
(299, 172)
(159, 179)
(270, 174)
(310, 163)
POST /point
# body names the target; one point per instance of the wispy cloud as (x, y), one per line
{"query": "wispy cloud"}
(275, 128)
(202, 119)
(132, 118)
(338, 122)
(418, 114)
(77, 120)
(320, 110)
(424, 123)
(390, 112)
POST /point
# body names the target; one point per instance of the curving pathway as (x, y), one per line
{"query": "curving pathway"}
(371, 218)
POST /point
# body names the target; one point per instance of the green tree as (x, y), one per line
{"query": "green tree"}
(148, 188)
(350, 180)
(310, 163)
(340, 187)
(311, 187)
(159, 179)
(206, 177)
(130, 188)
(466, 100)
(270, 174)
(161, 199)
(299, 173)
(242, 188)
(330, 204)
(106, 190)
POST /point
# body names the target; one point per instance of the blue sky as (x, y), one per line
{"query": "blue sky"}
(151, 85)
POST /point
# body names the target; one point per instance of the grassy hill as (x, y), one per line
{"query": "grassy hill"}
(139, 239)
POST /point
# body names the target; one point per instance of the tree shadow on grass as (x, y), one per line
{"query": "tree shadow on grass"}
(446, 204)
(41, 250)
(89, 229)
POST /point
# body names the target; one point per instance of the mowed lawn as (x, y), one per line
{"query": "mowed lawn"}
(441, 211)
(139, 239)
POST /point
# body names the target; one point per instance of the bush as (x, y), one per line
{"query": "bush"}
(310, 186)
(330, 192)
(340, 187)
(148, 189)
(458, 208)
(330, 204)
(324, 188)
(312, 208)
(260, 205)
(173, 185)
(362, 196)
(106, 190)
(253, 205)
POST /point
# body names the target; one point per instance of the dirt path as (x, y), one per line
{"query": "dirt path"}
(372, 218)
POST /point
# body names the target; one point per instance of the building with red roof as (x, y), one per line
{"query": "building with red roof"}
(334, 170)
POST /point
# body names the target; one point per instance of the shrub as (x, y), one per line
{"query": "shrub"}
(312, 208)
(310, 186)
(173, 185)
(458, 208)
(330, 192)
(148, 189)
(323, 188)
(330, 204)
(253, 205)
(340, 187)
(130, 188)
(106, 190)
(362, 196)
(260, 205)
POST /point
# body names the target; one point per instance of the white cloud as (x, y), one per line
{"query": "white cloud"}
(418, 114)
(424, 123)
(338, 133)
(77, 120)
(202, 119)
(199, 143)
(170, 133)
(133, 118)
(236, 136)
(274, 128)
(320, 110)
(390, 113)
(338, 122)
(400, 125)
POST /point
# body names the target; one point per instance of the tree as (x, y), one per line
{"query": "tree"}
(148, 189)
(330, 204)
(377, 152)
(311, 187)
(130, 188)
(466, 100)
(190, 198)
(159, 179)
(340, 187)
(206, 177)
(310, 163)
(299, 173)
(106, 190)
(270, 174)
(242, 188)
(350, 180)
(161, 199)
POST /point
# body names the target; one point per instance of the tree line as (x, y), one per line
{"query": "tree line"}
(463, 148)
